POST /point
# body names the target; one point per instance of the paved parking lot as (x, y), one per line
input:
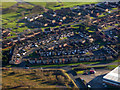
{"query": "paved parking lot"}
(95, 80)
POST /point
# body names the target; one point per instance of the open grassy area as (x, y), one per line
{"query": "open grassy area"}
(56, 65)
(70, 64)
(60, 65)
(11, 20)
(118, 60)
(112, 66)
(107, 27)
(91, 31)
(102, 15)
(114, 8)
(34, 78)
(11, 37)
(88, 67)
(80, 72)
(71, 4)
(52, 5)
(38, 3)
(8, 4)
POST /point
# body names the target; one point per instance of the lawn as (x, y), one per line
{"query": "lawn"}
(63, 38)
(48, 5)
(38, 3)
(8, 4)
(78, 69)
(112, 66)
(61, 65)
(80, 72)
(51, 5)
(91, 31)
(117, 61)
(10, 20)
(97, 66)
(13, 2)
(11, 37)
(114, 8)
(102, 15)
(72, 4)
(26, 6)
(107, 27)
(34, 78)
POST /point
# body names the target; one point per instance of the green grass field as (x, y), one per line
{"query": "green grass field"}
(86, 63)
(112, 66)
(60, 65)
(11, 36)
(10, 20)
(51, 5)
(8, 4)
(78, 69)
(80, 72)
(101, 15)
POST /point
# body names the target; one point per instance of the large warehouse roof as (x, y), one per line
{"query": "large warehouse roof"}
(113, 77)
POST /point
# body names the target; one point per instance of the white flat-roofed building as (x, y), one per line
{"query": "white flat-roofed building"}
(112, 78)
